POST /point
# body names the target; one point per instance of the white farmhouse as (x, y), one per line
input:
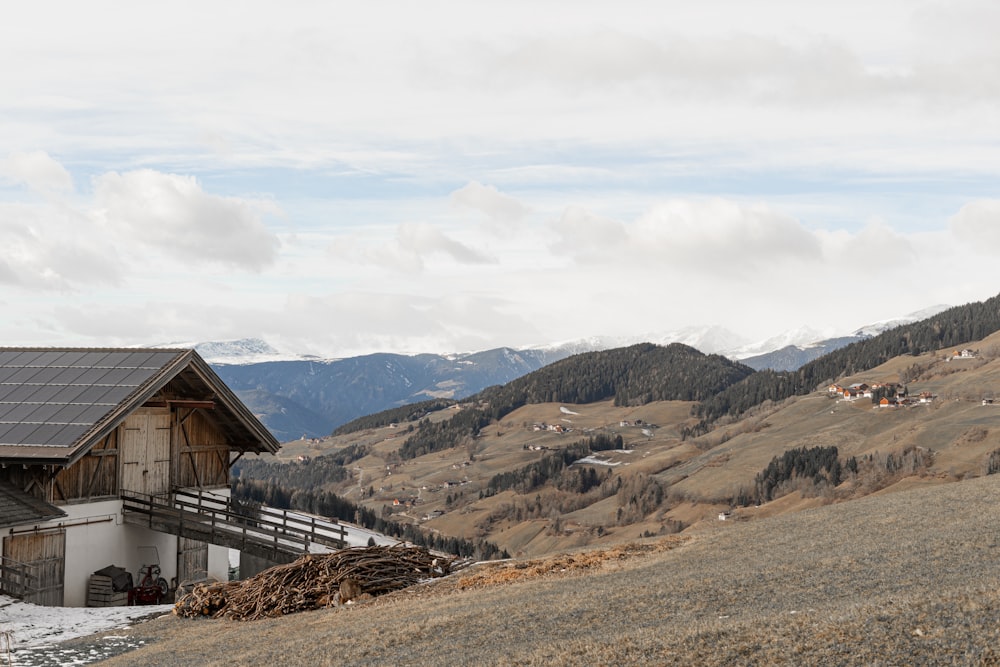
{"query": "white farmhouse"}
(110, 455)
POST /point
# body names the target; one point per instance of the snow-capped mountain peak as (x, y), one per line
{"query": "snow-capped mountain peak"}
(708, 339)
(238, 351)
(875, 328)
(803, 336)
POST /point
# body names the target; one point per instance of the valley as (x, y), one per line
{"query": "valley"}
(658, 481)
(657, 505)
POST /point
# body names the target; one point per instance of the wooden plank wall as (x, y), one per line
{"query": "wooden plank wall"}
(145, 451)
(181, 444)
(192, 560)
(93, 476)
(203, 454)
(33, 479)
(45, 555)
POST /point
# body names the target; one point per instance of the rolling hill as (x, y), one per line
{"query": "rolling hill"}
(305, 395)
(602, 447)
(906, 578)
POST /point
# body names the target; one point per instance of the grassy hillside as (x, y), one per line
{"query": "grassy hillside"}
(660, 482)
(940, 333)
(906, 578)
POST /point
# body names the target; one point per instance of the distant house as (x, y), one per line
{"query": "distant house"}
(835, 389)
(850, 394)
(888, 402)
(925, 397)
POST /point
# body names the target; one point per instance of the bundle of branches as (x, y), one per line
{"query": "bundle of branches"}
(314, 581)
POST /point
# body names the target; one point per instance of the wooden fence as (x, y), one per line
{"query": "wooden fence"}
(279, 535)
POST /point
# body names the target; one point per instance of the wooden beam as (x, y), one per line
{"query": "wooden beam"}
(57, 487)
(100, 454)
(180, 403)
(194, 465)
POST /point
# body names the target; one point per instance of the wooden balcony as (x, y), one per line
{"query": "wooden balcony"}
(276, 535)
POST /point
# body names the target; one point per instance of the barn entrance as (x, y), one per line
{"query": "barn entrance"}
(192, 560)
(34, 566)
(145, 451)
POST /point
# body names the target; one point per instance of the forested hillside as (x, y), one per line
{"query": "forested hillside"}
(300, 486)
(608, 446)
(947, 329)
(404, 413)
(633, 375)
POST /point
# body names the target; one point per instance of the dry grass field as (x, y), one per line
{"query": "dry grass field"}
(905, 571)
(700, 476)
(907, 578)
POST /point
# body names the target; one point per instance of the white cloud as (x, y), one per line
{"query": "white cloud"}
(977, 225)
(615, 127)
(586, 234)
(53, 248)
(722, 232)
(38, 171)
(424, 239)
(357, 322)
(174, 215)
(704, 235)
(501, 210)
(409, 250)
(8, 275)
(875, 249)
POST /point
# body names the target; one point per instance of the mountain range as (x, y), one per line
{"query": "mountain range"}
(309, 398)
(647, 440)
(714, 514)
(306, 396)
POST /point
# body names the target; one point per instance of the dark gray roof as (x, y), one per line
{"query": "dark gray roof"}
(18, 508)
(55, 401)
(52, 397)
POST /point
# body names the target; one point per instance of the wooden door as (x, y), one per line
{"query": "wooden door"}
(40, 560)
(145, 451)
(192, 560)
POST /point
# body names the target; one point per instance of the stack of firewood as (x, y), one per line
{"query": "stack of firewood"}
(314, 581)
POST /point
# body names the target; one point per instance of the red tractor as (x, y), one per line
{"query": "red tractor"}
(152, 588)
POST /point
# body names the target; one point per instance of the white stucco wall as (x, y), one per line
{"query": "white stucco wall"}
(106, 540)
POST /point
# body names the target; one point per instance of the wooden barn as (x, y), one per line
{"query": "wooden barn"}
(104, 455)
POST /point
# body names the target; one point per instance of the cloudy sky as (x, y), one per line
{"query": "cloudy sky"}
(341, 178)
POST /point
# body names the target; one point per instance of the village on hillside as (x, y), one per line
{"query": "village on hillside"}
(896, 394)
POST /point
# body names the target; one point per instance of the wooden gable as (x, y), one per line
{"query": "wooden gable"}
(174, 425)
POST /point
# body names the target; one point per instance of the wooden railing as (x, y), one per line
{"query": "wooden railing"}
(263, 531)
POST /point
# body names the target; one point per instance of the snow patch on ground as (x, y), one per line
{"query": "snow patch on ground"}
(593, 460)
(31, 626)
